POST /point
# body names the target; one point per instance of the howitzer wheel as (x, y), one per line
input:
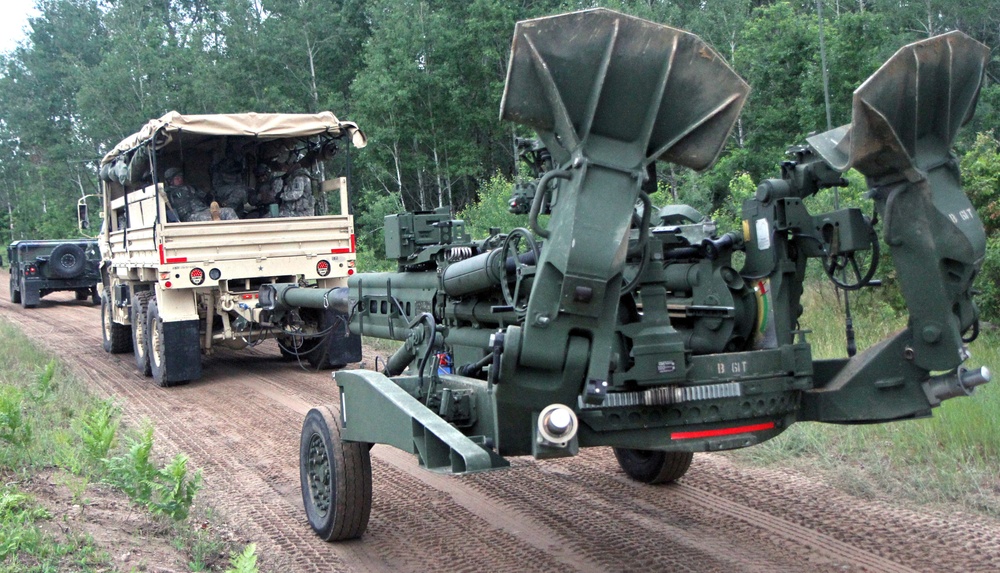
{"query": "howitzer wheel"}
(652, 466)
(336, 478)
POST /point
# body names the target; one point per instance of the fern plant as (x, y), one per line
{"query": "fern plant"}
(245, 562)
(15, 429)
(134, 472)
(175, 490)
(98, 429)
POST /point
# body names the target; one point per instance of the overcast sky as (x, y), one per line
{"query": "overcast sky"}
(13, 18)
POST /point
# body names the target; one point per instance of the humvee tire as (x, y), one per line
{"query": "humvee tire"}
(15, 293)
(67, 261)
(336, 478)
(137, 315)
(174, 349)
(652, 466)
(116, 338)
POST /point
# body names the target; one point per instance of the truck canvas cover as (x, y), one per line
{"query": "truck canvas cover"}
(263, 126)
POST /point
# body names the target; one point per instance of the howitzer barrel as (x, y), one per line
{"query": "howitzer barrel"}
(285, 296)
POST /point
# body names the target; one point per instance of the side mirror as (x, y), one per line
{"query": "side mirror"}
(83, 214)
(83, 219)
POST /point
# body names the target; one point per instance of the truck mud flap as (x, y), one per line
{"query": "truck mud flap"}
(182, 355)
(31, 295)
(340, 345)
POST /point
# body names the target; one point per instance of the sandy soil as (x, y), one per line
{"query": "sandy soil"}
(240, 424)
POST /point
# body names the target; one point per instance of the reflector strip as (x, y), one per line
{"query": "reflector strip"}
(721, 431)
(343, 250)
(166, 261)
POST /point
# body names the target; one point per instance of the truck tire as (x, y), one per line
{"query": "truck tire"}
(67, 261)
(82, 294)
(336, 478)
(174, 349)
(95, 296)
(137, 314)
(652, 466)
(115, 337)
(15, 293)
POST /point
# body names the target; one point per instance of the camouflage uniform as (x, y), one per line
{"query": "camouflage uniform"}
(227, 184)
(189, 203)
(296, 195)
(266, 192)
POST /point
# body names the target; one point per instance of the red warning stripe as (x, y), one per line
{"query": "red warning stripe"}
(345, 250)
(721, 431)
(172, 260)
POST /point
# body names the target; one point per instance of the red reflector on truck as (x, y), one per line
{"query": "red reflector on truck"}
(342, 251)
(721, 431)
(165, 261)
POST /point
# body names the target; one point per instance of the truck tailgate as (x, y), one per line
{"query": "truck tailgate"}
(257, 238)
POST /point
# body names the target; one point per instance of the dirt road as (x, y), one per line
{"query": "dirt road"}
(240, 424)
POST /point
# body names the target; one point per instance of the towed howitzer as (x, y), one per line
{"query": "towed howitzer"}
(629, 326)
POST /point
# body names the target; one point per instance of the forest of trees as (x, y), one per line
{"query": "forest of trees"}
(424, 79)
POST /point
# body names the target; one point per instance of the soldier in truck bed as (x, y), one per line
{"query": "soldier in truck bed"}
(188, 202)
(296, 196)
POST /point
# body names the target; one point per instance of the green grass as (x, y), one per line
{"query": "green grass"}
(48, 422)
(949, 458)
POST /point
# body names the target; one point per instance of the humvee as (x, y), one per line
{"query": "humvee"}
(179, 281)
(38, 268)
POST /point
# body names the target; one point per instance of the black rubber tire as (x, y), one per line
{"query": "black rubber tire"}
(82, 294)
(67, 261)
(25, 298)
(115, 338)
(137, 314)
(155, 337)
(95, 296)
(336, 478)
(15, 293)
(652, 466)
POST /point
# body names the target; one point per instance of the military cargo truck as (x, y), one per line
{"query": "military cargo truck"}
(38, 268)
(184, 258)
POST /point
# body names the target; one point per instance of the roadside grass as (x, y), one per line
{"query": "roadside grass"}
(50, 425)
(950, 458)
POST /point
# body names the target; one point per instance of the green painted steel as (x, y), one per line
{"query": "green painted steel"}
(613, 322)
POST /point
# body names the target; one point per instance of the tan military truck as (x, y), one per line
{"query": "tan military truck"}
(182, 261)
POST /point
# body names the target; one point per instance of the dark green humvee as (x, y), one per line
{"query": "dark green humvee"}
(38, 268)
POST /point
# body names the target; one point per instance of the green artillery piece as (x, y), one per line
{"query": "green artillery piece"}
(618, 324)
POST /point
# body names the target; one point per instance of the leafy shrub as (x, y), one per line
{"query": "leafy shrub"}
(98, 428)
(15, 428)
(168, 491)
(175, 490)
(988, 282)
(490, 210)
(245, 562)
(133, 472)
